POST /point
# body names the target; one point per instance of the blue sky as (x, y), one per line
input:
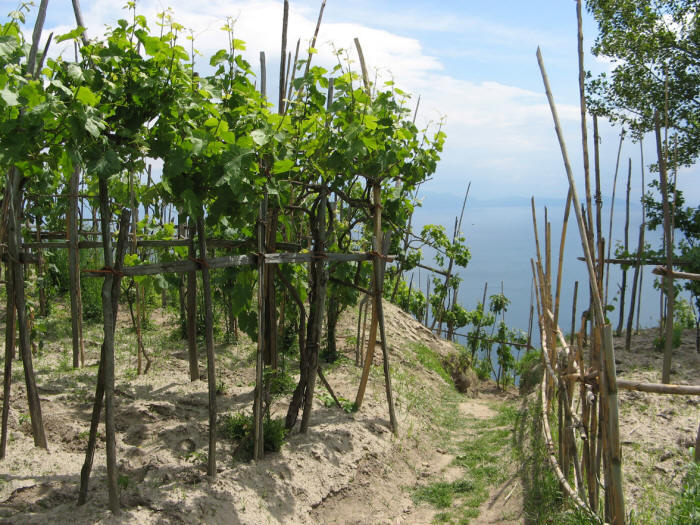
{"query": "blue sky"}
(473, 63)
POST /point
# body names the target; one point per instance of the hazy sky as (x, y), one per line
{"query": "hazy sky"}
(471, 62)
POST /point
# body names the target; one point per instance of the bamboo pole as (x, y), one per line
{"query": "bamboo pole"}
(612, 212)
(573, 313)
(623, 287)
(659, 388)
(283, 55)
(560, 265)
(609, 375)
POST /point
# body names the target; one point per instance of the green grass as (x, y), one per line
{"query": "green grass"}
(484, 458)
(430, 359)
(686, 508)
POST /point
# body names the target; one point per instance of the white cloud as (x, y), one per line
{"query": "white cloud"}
(491, 126)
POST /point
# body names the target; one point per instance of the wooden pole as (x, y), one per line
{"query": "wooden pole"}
(668, 244)
(192, 309)
(100, 386)
(609, 374)
(283, 55)
(623, 287)
(319, 280)
(14, 238)
(643, 226)
(10, 331)
(107, 314)
(378, 285)
(612, 212)
(76, 306)
(209, 338)
(258, 437)
(369, 356)
(134, 223)
(573, 313)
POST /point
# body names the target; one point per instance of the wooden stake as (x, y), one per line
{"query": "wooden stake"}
(10, 331)
(283, 55)
(14, 238)
(573, 313)
(107, 314)
(209, 338)
(258, 437)
(623, 287)
(192, 309)
(612, 212)
(100, 386)
(76, 306)
(319, 280)
(610, 383)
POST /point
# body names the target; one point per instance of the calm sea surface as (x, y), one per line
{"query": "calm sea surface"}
(501, 240)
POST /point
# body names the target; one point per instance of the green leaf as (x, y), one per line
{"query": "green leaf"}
(86, 96)
(259, 137)
(70, 35)
(9, 97)
(220, 56)
(282, 166)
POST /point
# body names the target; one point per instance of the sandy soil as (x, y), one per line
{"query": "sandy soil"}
(656, 431)
(161, 419)
(348, 469)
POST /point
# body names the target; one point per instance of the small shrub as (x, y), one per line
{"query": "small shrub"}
(240, 427)
(529, 369)
(660, 342)
(236, 426)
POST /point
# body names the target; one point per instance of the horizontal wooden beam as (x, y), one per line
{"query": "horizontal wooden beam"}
(659, 388)
(192, 265)
(643, 262)
(662, 270)
(155, 243)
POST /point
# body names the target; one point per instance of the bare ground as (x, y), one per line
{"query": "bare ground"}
(348, 469)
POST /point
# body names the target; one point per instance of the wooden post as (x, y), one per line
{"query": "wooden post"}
(259, 438)
(319, 280)
(192, 309)
(612, 212)
(76, 305)
(10, 330)
(573, 313)
(100, 386)
(209, 338)
(134, 223)
(623, 287)
(40, 271)
(635, 280)
(668, 243)
(107, 313)
(14, 237)
(369, 356)
(283, 54)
